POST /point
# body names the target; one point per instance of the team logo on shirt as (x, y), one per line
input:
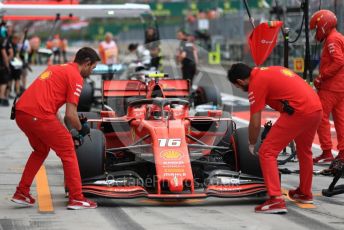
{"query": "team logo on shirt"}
(288, 72)
(45, 75)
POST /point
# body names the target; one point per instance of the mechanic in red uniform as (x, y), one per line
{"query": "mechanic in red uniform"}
(301, 112)
(36, 116)
(330, 83)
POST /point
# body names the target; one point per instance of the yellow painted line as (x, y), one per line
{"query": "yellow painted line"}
(45, 204)
(305, 206)
(300, 205)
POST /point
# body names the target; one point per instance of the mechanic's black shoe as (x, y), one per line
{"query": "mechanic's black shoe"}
(272, 206)
(299, 197)
(325, 157)
(81, 204)
(23, 199)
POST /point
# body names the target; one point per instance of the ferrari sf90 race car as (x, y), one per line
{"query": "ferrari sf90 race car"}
(158, 150)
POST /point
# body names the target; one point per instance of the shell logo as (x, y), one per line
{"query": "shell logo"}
(45, 75)
(171, 155)
(288, 72)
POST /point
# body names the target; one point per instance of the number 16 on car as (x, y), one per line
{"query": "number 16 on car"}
(169, 142)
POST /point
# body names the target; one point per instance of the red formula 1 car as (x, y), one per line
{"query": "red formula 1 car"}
(157, 150)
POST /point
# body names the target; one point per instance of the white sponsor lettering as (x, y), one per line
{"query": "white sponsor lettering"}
(263, 41)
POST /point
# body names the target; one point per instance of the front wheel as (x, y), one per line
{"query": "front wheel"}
(248, 163)
(91, 155)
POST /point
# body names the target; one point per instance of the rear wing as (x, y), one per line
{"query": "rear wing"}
(117, 93)
(175, 88)
(123, 88)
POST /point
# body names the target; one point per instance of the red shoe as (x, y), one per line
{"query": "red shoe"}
(325, 157)
(81, 204)
(299, 197)
(272, 206)
(23, 199)
(340, 155)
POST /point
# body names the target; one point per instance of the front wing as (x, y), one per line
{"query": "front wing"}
(234, 187)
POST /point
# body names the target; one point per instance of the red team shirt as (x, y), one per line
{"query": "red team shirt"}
(332, 62)
(57, 85)
(270, 85)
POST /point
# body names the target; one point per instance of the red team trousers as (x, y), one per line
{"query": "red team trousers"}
(332, 102)
(44, 135)
(298, 127)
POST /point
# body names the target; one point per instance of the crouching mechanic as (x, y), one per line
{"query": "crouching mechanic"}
(330, 83)
(300, 117)
(36, 116)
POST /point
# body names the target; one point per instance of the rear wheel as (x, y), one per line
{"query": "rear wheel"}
(86, 97)
(207, 95)
(248, 163)
(91, 155)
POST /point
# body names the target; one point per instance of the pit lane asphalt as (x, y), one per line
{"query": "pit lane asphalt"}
(211, 213)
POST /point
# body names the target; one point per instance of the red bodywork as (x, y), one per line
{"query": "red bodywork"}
(169, 140)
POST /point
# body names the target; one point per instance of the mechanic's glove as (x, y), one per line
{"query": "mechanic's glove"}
(251, 150)
(77, 138)
(85, 128)
(82, 119)
(317, 82)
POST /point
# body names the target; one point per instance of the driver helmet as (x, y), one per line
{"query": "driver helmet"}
(323, 21)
